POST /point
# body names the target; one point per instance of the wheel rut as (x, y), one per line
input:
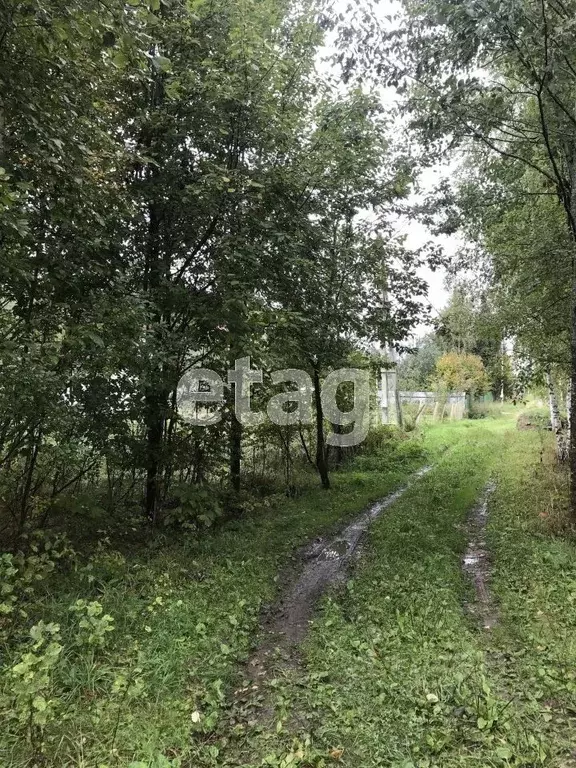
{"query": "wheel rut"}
(325, 562)
(476, 563)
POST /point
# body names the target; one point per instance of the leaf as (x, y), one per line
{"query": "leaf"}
(162, 63)
(39, 703)
(196, 716)
(98, 340)
(481, 723)
(120, 60)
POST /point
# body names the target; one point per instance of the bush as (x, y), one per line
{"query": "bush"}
(380, 437)
(534, 419)
(196, 506)
(478, 411)
(394, 455)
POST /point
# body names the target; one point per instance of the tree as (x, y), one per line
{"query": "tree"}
(214, 119)
(502, 75)
(456, 324)
(415, 371)
(179, 188)
(462, 372)
(518, 230)
(345, 261)
(65, 313)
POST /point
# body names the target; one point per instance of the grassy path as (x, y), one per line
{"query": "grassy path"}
(397, 674)
(382, 656)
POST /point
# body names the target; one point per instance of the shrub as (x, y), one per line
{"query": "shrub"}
(197, 506)
(534, 419)
(394, 455)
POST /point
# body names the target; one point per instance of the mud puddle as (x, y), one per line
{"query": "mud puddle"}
(476, 563)
(325, 562)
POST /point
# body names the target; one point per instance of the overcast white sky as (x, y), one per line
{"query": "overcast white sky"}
(417, 234)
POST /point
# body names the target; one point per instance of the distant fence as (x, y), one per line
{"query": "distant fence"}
(453, 404)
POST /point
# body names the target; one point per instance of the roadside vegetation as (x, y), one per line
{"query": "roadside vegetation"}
(397, 673)
(137, 648)
(123, 648)
(212, 277)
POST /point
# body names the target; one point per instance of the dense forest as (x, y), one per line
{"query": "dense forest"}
(205, 297)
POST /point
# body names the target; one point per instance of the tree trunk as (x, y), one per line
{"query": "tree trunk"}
(321, 463)
(399, 410)
(169, 427)
(561, 448)
(34, 448)
(572, 454)
(2, 130)
(305, 447)
(338, 450)
(235, 451)
(154, 444)
(573, 406)
(154, 398)
(156, 393)
(421, 410)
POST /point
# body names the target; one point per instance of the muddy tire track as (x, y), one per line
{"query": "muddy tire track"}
(476, 563)
(325, 562)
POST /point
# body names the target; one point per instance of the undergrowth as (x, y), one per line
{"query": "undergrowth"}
(123, 653)
(126, 657)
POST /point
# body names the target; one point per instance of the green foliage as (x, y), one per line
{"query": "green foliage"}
(151, 636)
(461, 373)
(196, 506)
(497, 80)
(416, 371)
(31, 693)
(534, 418)
(456, 326)
(185, 614)
(195, 177)
(21, 575)
(381, 438)
(521, 231)
(92, 626)
(408, 453)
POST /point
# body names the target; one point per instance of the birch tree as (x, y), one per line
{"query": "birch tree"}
(504, 75)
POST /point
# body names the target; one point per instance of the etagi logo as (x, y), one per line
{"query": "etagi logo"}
(201, 398)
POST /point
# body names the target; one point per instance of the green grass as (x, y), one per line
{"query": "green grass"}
(394, 672)
(389, 660)
(535, 581)
(185, 610)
